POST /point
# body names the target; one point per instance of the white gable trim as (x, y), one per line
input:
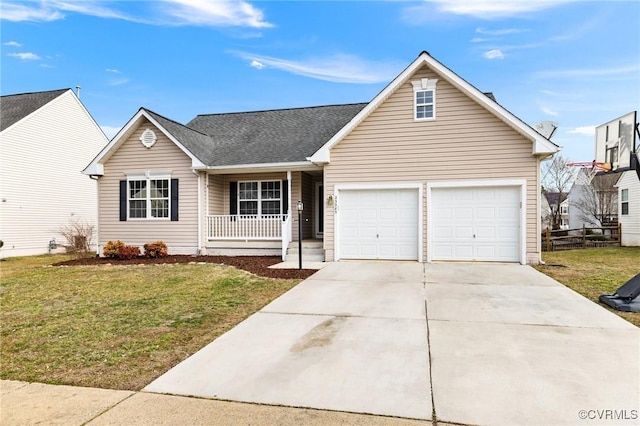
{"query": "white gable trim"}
(541, 145)
(96, 168)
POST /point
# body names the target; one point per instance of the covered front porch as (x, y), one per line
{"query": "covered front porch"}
(255, 213)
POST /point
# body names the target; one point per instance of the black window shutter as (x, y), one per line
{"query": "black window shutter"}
(285, 196)
(123, 200)
(233, 197)
(174, 200)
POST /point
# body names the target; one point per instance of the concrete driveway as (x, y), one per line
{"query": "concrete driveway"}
(470, 343)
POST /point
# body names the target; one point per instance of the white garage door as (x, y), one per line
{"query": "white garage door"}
(378, 224)
(476, 224)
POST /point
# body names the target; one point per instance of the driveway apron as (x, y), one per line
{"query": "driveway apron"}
(351, 338)
(503, 345)
(510, 345)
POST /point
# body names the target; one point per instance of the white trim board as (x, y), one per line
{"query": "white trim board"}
(376, 186)
(521, 183)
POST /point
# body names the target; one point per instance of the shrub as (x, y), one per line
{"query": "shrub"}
(119, 250)
(156, 249)
(112, 248)
(79, 236)
(128, 252)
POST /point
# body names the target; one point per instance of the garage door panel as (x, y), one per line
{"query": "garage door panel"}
(486, 232)
(385, 223)
(475, 223)
(463, 213)
(463, 232)
(462, 251)
(487, 213)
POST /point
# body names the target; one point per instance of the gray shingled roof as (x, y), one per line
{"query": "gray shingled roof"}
(14, 108)
(275, 136)
(199, 144)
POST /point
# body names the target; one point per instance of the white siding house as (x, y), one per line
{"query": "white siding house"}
(629, 208)
(46, 139)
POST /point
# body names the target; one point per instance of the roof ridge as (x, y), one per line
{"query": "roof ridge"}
(174, 121)
(281, 109)
(37, 92)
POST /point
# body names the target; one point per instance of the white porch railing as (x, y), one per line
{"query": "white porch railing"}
(286, 235)
(246, 227)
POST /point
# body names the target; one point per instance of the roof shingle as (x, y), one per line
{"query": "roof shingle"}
(274, 136)
(14, 108)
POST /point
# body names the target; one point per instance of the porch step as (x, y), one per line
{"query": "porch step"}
(312, 251)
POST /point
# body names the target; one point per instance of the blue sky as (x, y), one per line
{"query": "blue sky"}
(573, 62)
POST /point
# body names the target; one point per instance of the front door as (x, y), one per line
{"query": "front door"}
(319, 222)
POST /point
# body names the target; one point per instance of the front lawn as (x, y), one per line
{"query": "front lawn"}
(117, 327)
(596, 271)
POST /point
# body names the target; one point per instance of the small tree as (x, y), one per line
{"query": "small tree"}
(557, 177)
(599, 201)
(79, 236)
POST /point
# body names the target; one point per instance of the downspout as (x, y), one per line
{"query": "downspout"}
(289, 201)
(199, 233)
(97, 179)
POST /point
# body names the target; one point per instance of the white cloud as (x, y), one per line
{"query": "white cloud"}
(169, 12)
(12, 44)
(339, 68)
(110, 131)
(549, 111)
(502, 32)
(589, 73)
(481, 39)
(257, 65)
(491, 9)
(215, 13)
(112, 70)
(34, 12)
(118, 81)
(584, 130)
(25, 56)
(493, 54)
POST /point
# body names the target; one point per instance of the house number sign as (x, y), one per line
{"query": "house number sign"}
(148, 138)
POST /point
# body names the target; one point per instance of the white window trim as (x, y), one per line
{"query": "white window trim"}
(148, 176)
(423, 85)
(259, 199)
(624, 200)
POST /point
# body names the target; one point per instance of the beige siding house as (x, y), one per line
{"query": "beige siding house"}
(431, 169)
(46, 139)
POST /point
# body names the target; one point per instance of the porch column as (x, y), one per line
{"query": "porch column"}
(289, 196)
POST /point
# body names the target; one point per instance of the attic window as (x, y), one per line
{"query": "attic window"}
(148, 138)
(424, 99)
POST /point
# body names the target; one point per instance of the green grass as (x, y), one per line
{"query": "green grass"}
(592, 272)
(117, 327)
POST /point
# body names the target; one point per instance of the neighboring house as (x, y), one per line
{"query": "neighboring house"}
(46, 139)
(550, 207)
(629, 207)
(594, 204)
(430, 169)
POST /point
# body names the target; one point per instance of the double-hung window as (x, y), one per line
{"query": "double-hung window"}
(424, 99)
(260, 198)
(148, 198)
(624, 200)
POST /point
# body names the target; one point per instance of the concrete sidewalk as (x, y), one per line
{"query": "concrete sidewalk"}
(24, 404)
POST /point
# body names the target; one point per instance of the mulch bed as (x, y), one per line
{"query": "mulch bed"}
(255, 264)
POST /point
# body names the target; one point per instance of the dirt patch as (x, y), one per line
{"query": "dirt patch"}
(258, 265)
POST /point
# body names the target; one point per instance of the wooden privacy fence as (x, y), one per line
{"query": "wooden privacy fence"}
(569, 239)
